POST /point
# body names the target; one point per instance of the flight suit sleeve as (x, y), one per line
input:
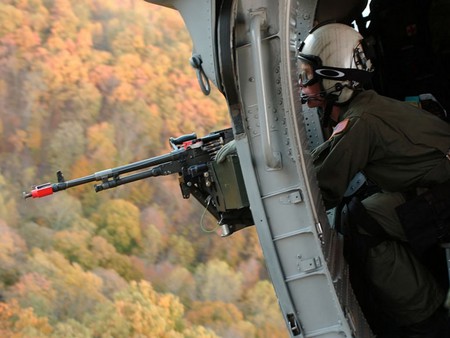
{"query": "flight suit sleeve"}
(338, 159)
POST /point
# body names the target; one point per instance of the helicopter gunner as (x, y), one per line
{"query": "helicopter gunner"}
(398, 147)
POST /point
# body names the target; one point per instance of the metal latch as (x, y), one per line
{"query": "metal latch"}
(293, 198)
(310, 264)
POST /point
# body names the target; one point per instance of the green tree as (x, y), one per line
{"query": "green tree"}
(118, 222)
(75, 246)
(70, 329)
(180, 251)
(107, 257)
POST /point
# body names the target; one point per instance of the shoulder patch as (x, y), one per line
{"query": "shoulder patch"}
(340, 127)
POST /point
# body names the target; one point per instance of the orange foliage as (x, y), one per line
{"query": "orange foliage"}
(81, 167)
(84, 42)
(209, 312)
(120, 70)
(18, 140)
(103, 77)
(26, 41)
(14, 320)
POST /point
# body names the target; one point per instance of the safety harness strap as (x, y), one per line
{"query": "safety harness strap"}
(355, 217)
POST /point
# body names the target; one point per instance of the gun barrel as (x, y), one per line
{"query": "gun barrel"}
(104, 175)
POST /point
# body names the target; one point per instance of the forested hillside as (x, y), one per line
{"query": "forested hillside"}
(87, 85)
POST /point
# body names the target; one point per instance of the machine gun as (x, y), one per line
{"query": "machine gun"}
(218, 187)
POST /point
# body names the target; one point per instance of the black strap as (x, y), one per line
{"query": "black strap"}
(360, 217)
(426, 218)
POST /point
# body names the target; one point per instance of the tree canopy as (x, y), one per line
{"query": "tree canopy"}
(87, 85)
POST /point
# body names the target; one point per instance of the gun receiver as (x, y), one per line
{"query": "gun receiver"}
(218, 187)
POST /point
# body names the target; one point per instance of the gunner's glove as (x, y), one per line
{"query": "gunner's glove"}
(227, 149)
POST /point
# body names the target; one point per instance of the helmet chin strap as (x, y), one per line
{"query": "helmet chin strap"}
(330, 100)
(322, 96)
(331, 97)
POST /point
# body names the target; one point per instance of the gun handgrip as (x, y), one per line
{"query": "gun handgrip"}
(183, 138)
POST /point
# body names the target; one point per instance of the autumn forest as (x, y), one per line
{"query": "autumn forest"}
(88, 85)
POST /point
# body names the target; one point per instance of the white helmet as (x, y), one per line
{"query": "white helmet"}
(334, 53)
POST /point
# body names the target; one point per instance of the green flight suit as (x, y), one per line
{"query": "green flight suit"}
(399, 147)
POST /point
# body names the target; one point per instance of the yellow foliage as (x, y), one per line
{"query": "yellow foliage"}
(37, 16)
(121, 71)
(118, 222)
(124, 93)
(84, 43)
(10, 19)
(100, 145)
(55, 43)
(213, 311)
(64, 22)
(81, 167)
(140, 312)
(126, 66)
(130, 41)
(34, 139)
